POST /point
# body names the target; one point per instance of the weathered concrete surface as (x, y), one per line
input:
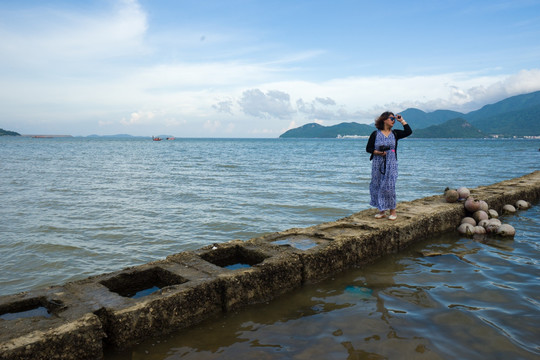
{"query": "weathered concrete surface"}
(270, 272)
(185, 297)
(106, 310)
(70, 331)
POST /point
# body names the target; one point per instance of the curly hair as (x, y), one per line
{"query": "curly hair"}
(379, 122)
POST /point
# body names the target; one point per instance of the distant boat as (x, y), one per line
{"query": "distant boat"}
(170, 138)
(156, 138)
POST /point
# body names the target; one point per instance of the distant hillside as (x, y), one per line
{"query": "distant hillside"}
(422, 119)
(455, 128)
(514, 116)
(506, 117)
(8, 133)
(511, 104)
(513, 123)
(314, 130)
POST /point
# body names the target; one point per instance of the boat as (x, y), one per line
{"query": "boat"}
(156, 138)
(170, 138)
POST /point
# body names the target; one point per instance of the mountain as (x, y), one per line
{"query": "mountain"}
(511, 104)
(455, 128)
(509, 117)
(8, 133)
(314, 130)
(514, 123)
(514, 116)
(422, 119)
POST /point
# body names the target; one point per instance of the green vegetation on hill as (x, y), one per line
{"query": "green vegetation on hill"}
(8, 133)
(514, 116)
(455, 128)
(509, 105)
(314, 130)
(422, 119)
(524, 122)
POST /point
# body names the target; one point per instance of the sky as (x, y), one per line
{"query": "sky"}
(246, 68)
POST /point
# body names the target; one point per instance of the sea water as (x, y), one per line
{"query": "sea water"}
(75, 207)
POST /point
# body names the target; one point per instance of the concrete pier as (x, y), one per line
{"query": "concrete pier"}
(78, 320)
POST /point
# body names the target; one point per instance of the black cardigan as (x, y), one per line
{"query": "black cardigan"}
(398, 134)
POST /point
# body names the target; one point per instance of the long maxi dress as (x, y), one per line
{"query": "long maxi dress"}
(384, 174)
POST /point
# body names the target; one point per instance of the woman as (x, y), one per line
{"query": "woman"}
(382, 146)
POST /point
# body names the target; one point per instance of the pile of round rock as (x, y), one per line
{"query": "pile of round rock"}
(482, 220)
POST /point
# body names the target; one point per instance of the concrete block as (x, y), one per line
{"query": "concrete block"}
(149, 300)
(48, 324)
(250, 273)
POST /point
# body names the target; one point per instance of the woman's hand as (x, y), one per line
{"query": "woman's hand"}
(401, 120)
(380, 153)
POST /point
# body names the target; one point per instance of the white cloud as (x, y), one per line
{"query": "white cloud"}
(173, 122)
(358, 99)
(264, 132)
(138, 118)
(274, 104)
(224, 107)
(212, 125)
(326, 101)
(524, 81)
(318, 109)
(102, 123)
(364, 97)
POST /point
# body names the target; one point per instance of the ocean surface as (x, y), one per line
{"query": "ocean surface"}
(75, 207)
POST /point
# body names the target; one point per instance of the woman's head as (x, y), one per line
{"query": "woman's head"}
(379, 122)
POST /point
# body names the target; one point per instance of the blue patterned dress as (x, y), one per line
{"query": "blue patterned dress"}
(384, 174)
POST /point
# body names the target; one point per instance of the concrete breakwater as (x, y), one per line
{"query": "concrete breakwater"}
(78, 319)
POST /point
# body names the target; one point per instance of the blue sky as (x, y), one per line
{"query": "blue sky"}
(241, 68)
